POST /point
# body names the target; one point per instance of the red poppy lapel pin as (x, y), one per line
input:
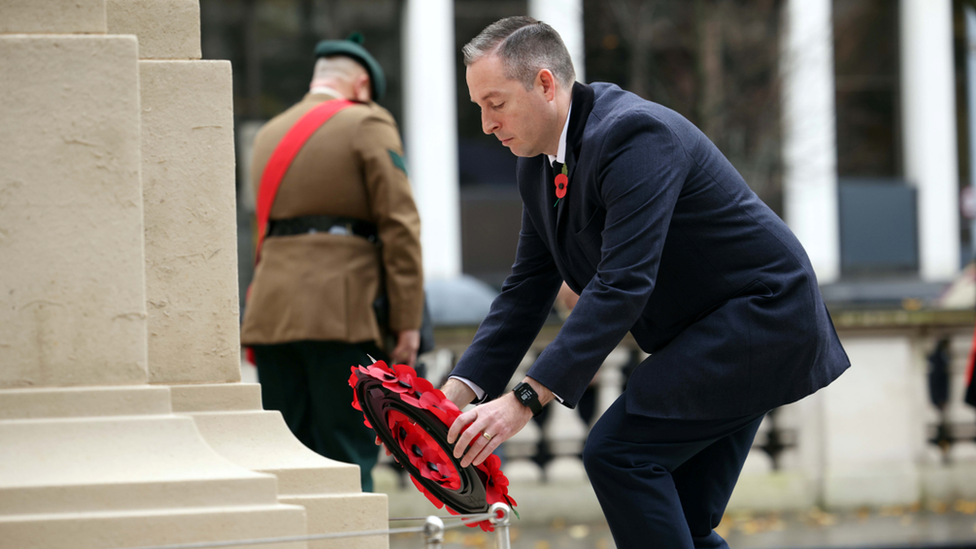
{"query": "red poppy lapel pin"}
(562, 183)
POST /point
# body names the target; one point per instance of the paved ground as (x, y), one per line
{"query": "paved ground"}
(945, 527)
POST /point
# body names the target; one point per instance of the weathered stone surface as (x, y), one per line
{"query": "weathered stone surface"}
(72, 290)
(79, 402)
(52, 16)
(167, 29)
(190, 220)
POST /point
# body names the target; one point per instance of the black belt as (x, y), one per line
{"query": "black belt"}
(331, 224)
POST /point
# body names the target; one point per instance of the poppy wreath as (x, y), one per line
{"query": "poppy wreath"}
(412, 418)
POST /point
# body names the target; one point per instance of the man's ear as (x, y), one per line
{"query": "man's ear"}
(361, 89)
(547, 82)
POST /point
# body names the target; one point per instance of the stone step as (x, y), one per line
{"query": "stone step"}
(126, 529)
(231, 420)
(345, 513)
(116, 463)
(216, 397)
(65, 402)
(259, 440)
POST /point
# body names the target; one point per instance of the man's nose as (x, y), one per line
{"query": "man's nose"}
(488, 124)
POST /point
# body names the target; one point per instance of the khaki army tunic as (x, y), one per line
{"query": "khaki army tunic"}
(322, 286)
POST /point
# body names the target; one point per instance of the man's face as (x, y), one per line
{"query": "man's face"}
(523, 120)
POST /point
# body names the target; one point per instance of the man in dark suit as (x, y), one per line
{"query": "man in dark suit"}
(639, 213)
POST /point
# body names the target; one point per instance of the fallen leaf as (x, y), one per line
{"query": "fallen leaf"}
(579, 531)
(475, 540)
(965, 507)
(750, 527)
(892, 511)
(820, 518)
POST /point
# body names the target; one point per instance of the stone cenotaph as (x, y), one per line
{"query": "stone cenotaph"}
(123, 421)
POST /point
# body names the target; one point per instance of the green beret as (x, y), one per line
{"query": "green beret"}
(352, 48)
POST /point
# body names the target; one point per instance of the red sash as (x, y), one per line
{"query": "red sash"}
(282, 157)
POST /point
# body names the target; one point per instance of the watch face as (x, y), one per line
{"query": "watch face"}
(524, 393)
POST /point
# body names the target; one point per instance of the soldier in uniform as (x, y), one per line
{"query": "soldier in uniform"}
(343, 229)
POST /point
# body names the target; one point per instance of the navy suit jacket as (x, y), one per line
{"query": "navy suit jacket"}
(661, 237)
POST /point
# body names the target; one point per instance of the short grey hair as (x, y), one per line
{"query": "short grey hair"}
(525, 47)
(337, 67)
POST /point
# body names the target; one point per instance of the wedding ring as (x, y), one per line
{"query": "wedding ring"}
(487, 436)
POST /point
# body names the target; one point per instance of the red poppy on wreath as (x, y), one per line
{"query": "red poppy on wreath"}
(497, 484)
(421, 387)
(425, 455)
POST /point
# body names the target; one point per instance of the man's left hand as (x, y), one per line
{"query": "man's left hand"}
(408, 343)
(488, 425)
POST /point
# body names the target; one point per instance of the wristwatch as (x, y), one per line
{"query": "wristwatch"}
(528, 397)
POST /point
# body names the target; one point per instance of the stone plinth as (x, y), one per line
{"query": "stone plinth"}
(90, 455)
(53, 17)
(72, 292)
(167, 29)
(191, 241)
(102, 467)
(230, 418)
(192, 293)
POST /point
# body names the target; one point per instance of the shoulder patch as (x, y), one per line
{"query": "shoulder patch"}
(398, 160)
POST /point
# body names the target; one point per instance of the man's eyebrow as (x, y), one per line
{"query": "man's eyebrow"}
(488, 95)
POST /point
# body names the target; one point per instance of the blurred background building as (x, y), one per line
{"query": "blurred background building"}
(849, 118)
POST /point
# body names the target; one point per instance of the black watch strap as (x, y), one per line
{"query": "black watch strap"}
(528, 397)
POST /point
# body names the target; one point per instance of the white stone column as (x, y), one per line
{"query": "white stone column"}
(430, 131)
(929, 130)
(566, 16)
(809, 134)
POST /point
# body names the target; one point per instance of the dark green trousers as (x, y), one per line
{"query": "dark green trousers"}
(308, 382)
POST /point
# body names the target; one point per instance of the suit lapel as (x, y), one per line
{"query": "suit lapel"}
(582, 105)
(549, 196)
